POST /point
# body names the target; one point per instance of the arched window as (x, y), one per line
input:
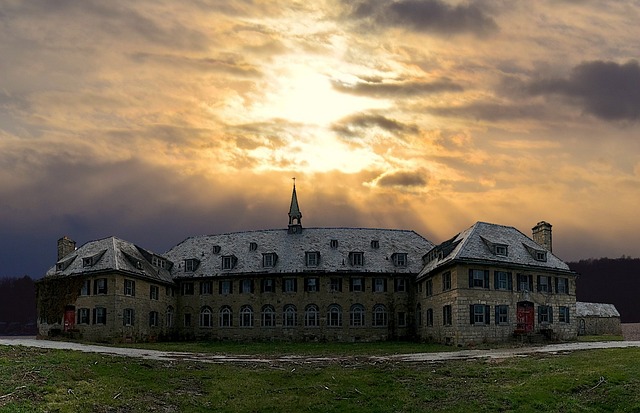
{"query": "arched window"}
(225, 316)
(289, 316)
(206, 317)
(268, 316)
(170, 316)
(311, 316)
(246, 316)
(334, 315)
(356, 315)
(379, 316)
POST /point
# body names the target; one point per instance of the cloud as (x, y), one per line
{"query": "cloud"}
(398, 89)
(402, 179)
(350, 125)
(492, 112)
(607, 90)
(432, 16)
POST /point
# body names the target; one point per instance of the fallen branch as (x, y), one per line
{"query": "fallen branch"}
(13, 392)
(602, 380)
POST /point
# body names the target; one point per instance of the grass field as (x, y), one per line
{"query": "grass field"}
(37, 380)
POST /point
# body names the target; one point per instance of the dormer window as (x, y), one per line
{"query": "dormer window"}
(269, 259)
(541, 256)
(191, 264)
(92, 260)
(253, 246)
(502, 250)
(356, 259)
(311, 258)
(333, 243)
(399, 259)
(375, 244)
(229, 262)
(158, 262)
(216, 249)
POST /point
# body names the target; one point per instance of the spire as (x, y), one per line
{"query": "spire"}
(295, 216)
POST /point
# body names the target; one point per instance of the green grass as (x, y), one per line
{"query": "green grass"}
(600, 338)
(40, 380)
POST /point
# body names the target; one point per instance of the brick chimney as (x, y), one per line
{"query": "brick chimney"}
(65, 247)
(542, 235)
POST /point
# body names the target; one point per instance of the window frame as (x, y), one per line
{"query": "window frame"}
(268, 316)
(129, 288)
(311, 258)
(446, 281)
(357, 316)
(100, 286)
(356, 258)
(310, 282)
(447, 315)
(128, 317)
(289, 316)
(225, 316)
(289, 285)
(564, 314)
(502, 314)
(84, 316)
(100, 315)
(334, 316)
(154, 292)
(205, 319)
(335, 284)
(206, 287)
(356, 282)
(154, 319)
(187, 288)
(312, 316)
(246, 316)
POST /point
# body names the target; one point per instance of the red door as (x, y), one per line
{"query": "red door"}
(525, 318)
(69, 318)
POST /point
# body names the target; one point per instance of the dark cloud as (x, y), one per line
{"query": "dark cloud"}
(607, 90)
(398, 89)
(402, 178)
(492, 112)
(350, 125)
(433, 16)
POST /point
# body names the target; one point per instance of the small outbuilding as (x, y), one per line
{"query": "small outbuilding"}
(596, 319)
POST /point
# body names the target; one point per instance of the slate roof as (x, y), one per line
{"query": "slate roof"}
(291, 248)
(584, 309)
(110, 254)
(478, 243)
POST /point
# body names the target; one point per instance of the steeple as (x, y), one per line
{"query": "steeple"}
(295, 216)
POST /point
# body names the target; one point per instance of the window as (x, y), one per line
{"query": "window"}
(379, 316)
(187, 320)
(154, 319)
(154, 292)
(446, 315)
(563, 314)
(83, 316)
(478, 278)
(225, 317)
(206, 317)
(311, 316)
(562, 285)
(375, 244)
(311, 258)
(502, 314)
(402, 319)
(268, 285)
(206, 287)
(87, 262)
(99, 315)
(502, 250)
(269, 260)
(379, 285)
(418, 315)
(399, 259)
(253, 246)
(289, 316)
(479, 313)
(335, 285)
(86, 287)
(429, 287)
(334, 316)
(356, 259)
(225, 287)
(129, 287)
(170, 316)
(540, 255)
(502, 280)
(333, 244)
(268, 316)
(246, 286)
(545, 314)
(158, 262)
(356, 316)
(128, 317)
(191, 264)
(246, 316)
(446, 281)
(544, 283)
(312, 284)
(356, 284)
(169, 291)
(400, 285)
(289, 285)
(429, 317)
(216, 249)
(100, 286)
(229, 262)
(525, 282)
(187, 288)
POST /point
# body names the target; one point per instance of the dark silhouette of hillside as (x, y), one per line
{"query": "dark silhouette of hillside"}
(17, 306)
(614, 281)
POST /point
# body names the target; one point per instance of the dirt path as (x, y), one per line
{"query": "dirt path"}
(239, 358)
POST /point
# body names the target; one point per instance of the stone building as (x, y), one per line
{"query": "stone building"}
(596, 319)
(338, 284)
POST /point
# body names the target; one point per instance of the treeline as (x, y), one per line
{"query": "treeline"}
(17, 306)
(614, 281)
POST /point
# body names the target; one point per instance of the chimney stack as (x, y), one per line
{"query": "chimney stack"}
(65, 247)
(542, 235)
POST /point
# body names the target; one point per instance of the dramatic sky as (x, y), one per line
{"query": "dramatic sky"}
(157, 120)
